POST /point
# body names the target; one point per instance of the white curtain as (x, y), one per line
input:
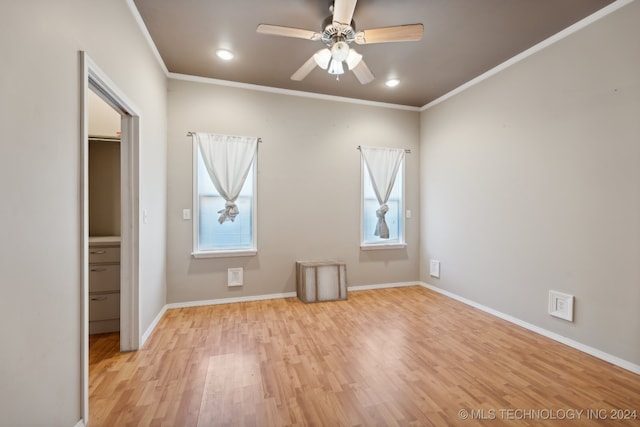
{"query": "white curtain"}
(228, 160)
(383, 164)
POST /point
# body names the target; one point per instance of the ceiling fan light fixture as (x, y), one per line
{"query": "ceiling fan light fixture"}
(225, 54)
(340, 51)
(335, 67)
(353, 59)
(392, 82)
(322, 58)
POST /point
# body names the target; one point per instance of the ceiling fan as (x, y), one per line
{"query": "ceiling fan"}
(338, 32)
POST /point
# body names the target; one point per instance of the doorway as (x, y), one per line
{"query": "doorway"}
(105, 217)
(95, 80)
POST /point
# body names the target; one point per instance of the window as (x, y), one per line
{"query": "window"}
(372, 209)
(215, 235)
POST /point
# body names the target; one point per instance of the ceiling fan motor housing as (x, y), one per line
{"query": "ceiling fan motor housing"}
(332, 33)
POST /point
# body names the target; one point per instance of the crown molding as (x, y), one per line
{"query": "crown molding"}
(289, 92)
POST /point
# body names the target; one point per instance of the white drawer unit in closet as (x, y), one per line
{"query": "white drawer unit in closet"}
(104, 278)
(104, 308)
(104, 284)
(102, 254)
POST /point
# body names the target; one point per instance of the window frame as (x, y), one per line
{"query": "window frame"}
(401, 242)
(222, 252)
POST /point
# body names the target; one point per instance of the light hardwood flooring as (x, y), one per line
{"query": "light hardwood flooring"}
(401, 356)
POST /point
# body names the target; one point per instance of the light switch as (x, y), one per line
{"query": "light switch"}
(186, 214)
(408, 213)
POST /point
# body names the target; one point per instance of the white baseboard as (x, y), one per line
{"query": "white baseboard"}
(382, 286)
(80, 424)
(229, 300)
(552, 335)
(152, 326)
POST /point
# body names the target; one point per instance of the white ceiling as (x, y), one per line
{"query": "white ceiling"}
(462, 39)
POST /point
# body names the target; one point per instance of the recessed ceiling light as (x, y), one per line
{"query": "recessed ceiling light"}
(392, 82)
(224, 54)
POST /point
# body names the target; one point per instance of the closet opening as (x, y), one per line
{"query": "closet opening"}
(110, 229)
(104, 219)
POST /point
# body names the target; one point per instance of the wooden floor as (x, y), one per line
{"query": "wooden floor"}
(401, 356)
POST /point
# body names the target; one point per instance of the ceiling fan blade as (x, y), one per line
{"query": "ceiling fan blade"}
(343, 11)
(363, 73)
(400, 33)
(275, 30)
(303, 71)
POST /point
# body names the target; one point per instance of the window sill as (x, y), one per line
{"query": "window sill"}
(225, 254)
(382, 246)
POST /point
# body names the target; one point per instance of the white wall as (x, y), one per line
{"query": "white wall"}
(530, 182)
(40, 213)
(308, 187)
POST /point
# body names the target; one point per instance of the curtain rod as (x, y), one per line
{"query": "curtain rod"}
(406, 150)
(193, 133)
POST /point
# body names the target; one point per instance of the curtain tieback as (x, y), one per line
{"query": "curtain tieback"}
(382, 211)
(229, 212)
(382, 230)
